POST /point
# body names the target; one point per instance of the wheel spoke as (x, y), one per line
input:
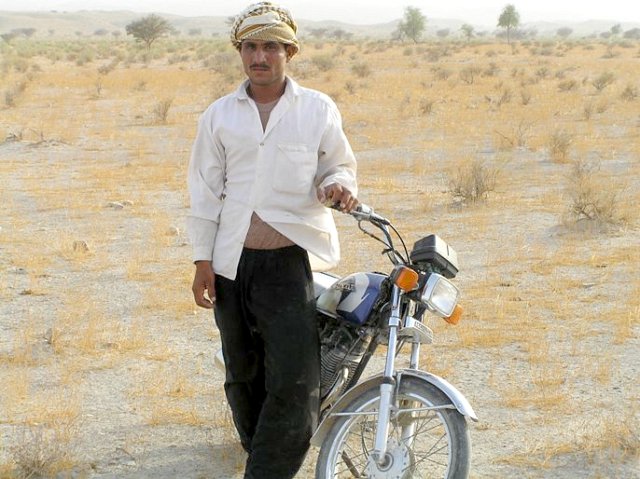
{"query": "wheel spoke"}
(419, 442)
(350, 466)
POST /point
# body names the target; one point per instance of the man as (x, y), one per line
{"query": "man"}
(265, 161)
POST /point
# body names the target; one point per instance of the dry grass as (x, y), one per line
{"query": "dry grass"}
(95, 272)
(601, 441)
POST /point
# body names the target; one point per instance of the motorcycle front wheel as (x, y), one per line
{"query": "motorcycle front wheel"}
(423, 443)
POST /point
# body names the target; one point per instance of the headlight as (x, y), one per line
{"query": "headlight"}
(440, 295)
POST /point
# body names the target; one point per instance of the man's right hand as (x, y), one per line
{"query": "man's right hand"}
(204, 281)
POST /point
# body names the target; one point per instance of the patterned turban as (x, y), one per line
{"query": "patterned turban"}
(266, 22)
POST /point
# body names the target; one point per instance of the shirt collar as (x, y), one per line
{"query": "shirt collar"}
(291, 90)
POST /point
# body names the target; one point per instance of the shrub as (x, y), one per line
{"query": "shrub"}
(602, 106)
(542, 72)
(491, 71)
(42, 452)
(588, 111)
(504, 97)
(525, 97)
(592, 197)
(517, 138)
(161, 110)
(350, 87)
(559, 144)
(323, 62)
(361, 70)
(468, 74)
(603, 80)
(473, 182)
(567, 85)
(441, 73)
(630, 93)
(12, 94)
(426, 106)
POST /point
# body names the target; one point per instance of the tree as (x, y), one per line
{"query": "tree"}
(24, 32)
(564, 32)
(412, 25)
(443, 33)
(633, 34)
(339, 34)
(148, 29)
(509, 19)
(467, 30)
(616, 30)
(7, 37)
(318, 32)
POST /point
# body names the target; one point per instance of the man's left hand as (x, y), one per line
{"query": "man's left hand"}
(337, 196)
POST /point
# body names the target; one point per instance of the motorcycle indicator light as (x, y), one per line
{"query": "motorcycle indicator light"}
(455, 316)
(440, 295)
(405, 278)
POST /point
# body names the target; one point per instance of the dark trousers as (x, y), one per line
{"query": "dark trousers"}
(267, 323)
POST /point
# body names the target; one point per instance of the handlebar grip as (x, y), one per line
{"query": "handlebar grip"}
(365, 212)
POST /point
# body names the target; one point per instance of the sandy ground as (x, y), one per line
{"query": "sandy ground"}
(115, 434)
(107, 368)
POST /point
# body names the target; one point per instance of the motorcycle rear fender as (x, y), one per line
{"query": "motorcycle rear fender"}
(457, 399)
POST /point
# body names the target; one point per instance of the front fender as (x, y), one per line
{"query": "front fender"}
(457, 399)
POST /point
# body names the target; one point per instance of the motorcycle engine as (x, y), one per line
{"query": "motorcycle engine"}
(342, 346)
(347, 322)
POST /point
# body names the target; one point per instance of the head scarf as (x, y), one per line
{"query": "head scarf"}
(266, 22)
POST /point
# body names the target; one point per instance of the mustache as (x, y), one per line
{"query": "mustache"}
(259, 65)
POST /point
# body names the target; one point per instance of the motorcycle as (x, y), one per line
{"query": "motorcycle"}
(401, 423)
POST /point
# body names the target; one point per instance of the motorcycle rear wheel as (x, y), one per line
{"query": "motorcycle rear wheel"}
(439, 445)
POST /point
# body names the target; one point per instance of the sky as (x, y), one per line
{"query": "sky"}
(477, 12)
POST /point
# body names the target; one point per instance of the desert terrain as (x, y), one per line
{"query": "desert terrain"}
(525, 158)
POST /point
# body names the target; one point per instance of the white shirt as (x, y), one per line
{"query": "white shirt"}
(238, 168)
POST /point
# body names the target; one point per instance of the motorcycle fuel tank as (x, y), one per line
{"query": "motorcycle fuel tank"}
(352, 297)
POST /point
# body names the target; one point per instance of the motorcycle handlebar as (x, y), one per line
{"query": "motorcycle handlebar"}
(365, 212)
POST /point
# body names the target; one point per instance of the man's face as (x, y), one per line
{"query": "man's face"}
(264, 62)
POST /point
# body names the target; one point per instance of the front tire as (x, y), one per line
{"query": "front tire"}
(422, 444)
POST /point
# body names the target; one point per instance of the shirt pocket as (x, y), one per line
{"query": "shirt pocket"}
(295, 168)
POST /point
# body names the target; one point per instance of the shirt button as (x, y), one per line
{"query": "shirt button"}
(261, 144)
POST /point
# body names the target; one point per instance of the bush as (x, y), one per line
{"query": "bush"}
(603, 80)
(323, 62)
(161, 110)
(426, 106)
(568, 85)
(361, 70)
(630, 93)
(468, 74)
(473, 182)
(559, 144)
(525, 97)
(591, 198)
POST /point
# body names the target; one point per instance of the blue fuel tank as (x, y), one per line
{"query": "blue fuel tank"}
(352, 297)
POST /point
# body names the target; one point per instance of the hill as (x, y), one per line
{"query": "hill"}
(63, 24)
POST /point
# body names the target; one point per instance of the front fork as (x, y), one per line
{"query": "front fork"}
(389, 383)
